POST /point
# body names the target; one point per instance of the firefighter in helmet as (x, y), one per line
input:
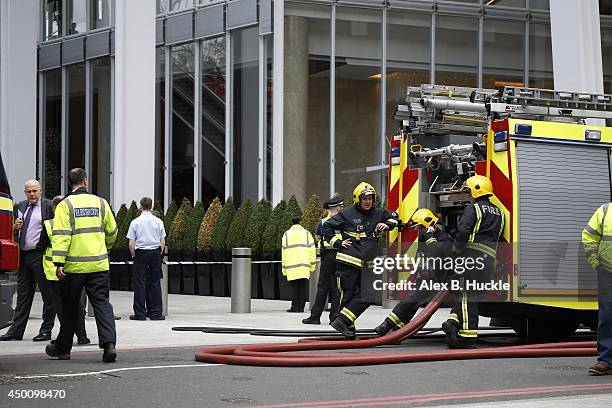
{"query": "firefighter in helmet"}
(434, 246)
(358, 226)
(478, 232)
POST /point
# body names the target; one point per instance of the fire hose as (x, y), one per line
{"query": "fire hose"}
(286, 354)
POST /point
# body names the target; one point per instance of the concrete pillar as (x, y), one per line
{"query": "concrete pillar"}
(295, 107)
(19, 22)
(576, 45)
(134, 144)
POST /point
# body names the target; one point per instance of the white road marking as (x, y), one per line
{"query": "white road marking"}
(113, 370)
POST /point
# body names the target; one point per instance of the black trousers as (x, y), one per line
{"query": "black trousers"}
(326, 286)
(146, 285)
(349, 285)
(96, 286)
(30, 273)
(299, 293)
(80, 327)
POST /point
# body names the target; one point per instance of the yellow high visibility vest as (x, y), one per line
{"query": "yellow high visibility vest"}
(299, 255)
(48, 265)
(84, 229)
(597, 238)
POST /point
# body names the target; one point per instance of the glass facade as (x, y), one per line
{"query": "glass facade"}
(456, 51)
(76, 17)
(160, 120)
(52, 135)
(52, 19)
(101, 94)
(504, 53)
(75, 77)
(540, 56)
(100, 14)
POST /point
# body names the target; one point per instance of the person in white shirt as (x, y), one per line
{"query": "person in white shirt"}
(146, 237)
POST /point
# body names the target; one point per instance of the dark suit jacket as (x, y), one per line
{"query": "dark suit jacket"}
(46, 211)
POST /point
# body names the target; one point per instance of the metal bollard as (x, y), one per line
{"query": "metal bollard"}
(312, 284)
(164, 284)
(241, 280)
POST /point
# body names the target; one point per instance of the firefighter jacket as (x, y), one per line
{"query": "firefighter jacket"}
(359, 226)
(480, 227)
(323, 244)
(299, 255)
(437, 244)
(597, 239)
(84, 229)
(48, 265)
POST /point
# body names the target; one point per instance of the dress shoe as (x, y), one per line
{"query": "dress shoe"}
(157, 317)
(133, 317)
(600, 369)
(110, 354)
(116, 317)
(42, 337)
(83, 340)
(53, 351)
(311, 320)
(9, 337)
(340, 325)
(385, 327)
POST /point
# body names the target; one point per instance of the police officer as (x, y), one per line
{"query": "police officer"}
(84, 229)
(598, 249)
(478, 232)
(358, 226)
(434, 245)
(326, 284)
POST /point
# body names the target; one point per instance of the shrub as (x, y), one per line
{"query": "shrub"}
(312, 214)
(121, 242)
(208, 224)
(293, 209)
(236, 232)
(169, 217)
(220, 230)
(158, 210)
(254, 234)
(270, 237)
(176, 237)
(193, 227)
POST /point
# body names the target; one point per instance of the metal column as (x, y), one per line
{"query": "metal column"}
(241, 280)
(332, 105)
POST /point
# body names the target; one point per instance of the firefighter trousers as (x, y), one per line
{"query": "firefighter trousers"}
(349, 286)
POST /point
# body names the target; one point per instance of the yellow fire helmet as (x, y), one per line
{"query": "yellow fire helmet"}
(479, 186)
(424, 217)
(363, 189)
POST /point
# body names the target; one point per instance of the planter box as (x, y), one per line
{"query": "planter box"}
(269, 282)
(203, 277)
(219, 274)
(189, 274)
(174, 272)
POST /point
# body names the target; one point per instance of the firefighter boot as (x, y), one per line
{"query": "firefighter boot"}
(453, 341)
(342, 325)
(385, 327)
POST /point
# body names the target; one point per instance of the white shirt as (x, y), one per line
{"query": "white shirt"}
(147, 231)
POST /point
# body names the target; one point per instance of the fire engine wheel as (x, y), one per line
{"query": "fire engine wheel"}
(545, 329)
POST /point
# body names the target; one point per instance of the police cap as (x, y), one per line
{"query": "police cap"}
(333, 202)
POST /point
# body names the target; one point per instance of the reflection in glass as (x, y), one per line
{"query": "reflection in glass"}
(53, 132)
(77, 16)
(505, 3)
(540, 57)
(245, 56)
(504, 45)
(456, 51)
(160, 121)
(358, 73)
(52, 22)
(183, 91)
(306, 96)
(162, 6)
(606, 55)
(269, 41)
(101, 127)
(539, 4)
(180, 4)
(76, 115)
(100, 14)
(213, 119)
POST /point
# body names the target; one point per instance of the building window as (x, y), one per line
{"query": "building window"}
(213, 119)
(160, 121)
(269, 41)
(245, 55)
(456, 51)
(101, 127)
(183, 87)
(540, 57)
(357, 115)
(52, 19)
(504, 53)
(100, 14)
(505, 3)
(539, 4)
(76, 17)
(163, 6)
(75, 76)
(180, 4)
(605, 7)
(52, 110)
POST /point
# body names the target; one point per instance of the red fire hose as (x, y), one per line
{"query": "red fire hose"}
(283, 354)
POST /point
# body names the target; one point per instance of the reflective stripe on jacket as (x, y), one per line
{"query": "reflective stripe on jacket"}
(597, 238)
(299, 255)
(48, 265)
(480, 227)
(84, 229)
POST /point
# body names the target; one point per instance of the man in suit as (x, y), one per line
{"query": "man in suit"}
(29, 217)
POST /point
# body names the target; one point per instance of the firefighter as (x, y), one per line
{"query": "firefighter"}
(598, 249)
(478, 232)
(358, 226)
(434, 245)
(84, 229)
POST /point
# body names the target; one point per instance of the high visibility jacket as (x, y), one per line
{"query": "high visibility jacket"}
(48, 265)
(597, 238)
(480, 227)
(359, 226)
(299, 255)
(84, 229)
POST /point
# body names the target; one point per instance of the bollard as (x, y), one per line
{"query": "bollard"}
(164, 284)
(312, 285)
(241, 280)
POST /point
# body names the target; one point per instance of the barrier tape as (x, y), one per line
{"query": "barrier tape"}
(193, 262)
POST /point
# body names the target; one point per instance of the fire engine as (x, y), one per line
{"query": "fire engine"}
(9, 251)
(549, 164)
